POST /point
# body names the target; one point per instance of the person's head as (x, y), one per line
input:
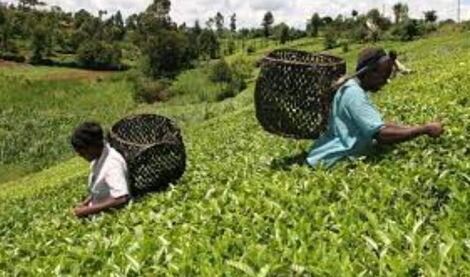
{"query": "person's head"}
(393, 55)
(88, 141)
(374, 68)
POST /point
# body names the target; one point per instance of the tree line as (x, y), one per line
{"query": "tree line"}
(162, 47)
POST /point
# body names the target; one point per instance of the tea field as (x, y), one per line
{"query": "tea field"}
(39, 107)
(243, 207)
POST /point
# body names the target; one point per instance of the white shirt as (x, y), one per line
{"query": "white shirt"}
(108, 176)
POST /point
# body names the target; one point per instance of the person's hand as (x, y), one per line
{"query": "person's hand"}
(434, 129)
(408, 71)
(85, 203)
(80, 211)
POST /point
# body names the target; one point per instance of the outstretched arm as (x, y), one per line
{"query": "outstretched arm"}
(392, 133)
(109, 203)
(401, 68)
(85, 202)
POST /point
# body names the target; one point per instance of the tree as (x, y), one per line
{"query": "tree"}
(197, 28)
(210, 23)
(165, 54)
(377, 19)
(41, 43)
(77, 38)
(284, 35)
(327, 20)
(374, 14)
(165, 48)
(101, 13)
(430, 16)
(331, 38)
(354, 14)
(160, 9)
(30, 3)
(209, 46)
(268, 21)
(114, 29)
(219, 23)
(233, 23)
(131, 22)
(315, 23)
(3, 16)
(400, 11)
(81, 17)
(118, 20)
(98, 54)
(338, 22)
(6, 29)
(409, 29)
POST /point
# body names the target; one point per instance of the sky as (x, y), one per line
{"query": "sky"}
(250, 12)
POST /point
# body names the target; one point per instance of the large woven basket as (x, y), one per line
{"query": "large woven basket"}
(154, 151)
(294, 91)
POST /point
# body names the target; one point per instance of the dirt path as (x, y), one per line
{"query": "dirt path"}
(56, 73)
(75, 74)
(4, 63)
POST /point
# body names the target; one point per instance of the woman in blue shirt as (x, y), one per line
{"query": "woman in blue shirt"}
(354, 123)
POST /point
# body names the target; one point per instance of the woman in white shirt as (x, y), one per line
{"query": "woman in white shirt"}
(108, 184)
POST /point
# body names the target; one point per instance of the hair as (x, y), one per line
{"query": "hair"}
(367, 60)
(86, 135)
(393, 55)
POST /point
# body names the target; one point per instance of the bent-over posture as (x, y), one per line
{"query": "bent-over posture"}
(354, 123)
(107, 183)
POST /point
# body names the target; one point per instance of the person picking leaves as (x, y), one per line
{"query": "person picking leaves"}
(107, 183)
(354, 124)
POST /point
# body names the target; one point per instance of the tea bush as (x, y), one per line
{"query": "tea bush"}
(220, 72)
(149, 91)
(38, 115)
(242, 208)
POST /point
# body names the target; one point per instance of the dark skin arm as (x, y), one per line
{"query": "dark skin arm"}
(82, 211)
(85, 202)
(392, 133)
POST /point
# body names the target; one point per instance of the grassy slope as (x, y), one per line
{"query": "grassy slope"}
(38, 108)
(236, 213)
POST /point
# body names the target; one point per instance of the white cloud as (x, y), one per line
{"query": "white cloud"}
(270, 5)
(250, 12)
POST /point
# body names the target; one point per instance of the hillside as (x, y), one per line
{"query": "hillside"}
(242, 209)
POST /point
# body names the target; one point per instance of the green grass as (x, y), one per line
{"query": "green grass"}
(35, 72)
(237, 212)
(194, 86)
(38, 115)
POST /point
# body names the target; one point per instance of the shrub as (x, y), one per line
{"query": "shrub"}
(220, 72)
(98, 54)
(408, 30)
(166, 54)
(149, 91)
(466, 25)
(230, 90)
(8, 56)
(250, 49)
(242, 70)
(359, 33)
(345, 46)
(41, 44)
(331, 39)
(231, 47)
(429, 28)
(209, 46)
(194, 86)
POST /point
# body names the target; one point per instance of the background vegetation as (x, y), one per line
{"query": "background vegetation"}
(244, 207)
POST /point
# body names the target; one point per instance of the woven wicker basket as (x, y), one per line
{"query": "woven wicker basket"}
(153, 148)
(293, 92)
